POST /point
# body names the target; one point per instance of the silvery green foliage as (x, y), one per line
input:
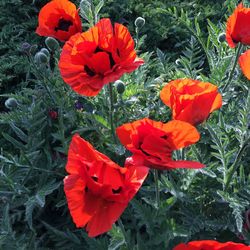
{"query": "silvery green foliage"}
(195, 204)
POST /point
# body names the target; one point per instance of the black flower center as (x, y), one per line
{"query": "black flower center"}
(89, 71)
(63, 25)
(117, 191)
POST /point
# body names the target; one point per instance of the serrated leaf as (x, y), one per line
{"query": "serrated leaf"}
(14, 141)
(19, 132)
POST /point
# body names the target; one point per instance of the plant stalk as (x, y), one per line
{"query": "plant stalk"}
(157, 192)
(111, 112)
(235, 165)
(240, 46)
(124, 233)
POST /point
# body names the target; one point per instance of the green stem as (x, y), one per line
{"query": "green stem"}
(235, 165)
(124, 233)
(157, 192)
(43, 79)
(233, 68)
(111, 112)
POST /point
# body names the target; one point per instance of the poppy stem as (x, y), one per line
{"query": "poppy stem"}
(235, 165)
(111, 112)
(233, 68)
(124, 233)
(157, 192)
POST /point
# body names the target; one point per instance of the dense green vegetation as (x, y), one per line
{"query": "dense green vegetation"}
(179, 39)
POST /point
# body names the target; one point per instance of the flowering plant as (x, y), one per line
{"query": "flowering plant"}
(113, 144)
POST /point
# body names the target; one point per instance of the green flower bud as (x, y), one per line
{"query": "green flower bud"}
(139, 22)
(120, 86)
(51, 43)
(45, 51)
(41, 58)
(221, 37)
(33, 49)
(11, 103)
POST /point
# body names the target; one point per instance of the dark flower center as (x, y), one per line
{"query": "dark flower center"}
(117, 191)
(95, 178)
(63, 25)
(89, 71)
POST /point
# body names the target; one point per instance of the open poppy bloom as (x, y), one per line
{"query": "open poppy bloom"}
(98, 56)
(191, 100)
(237, 30)
(59, 19)
(211, 245)
(152, 143)
(244, 62)
(97, 189)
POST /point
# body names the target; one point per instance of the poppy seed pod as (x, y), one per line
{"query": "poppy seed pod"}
(139, 22)
(120, 86)
(40, 57)
(45, 51)
(51, 43)
(221, 37)
(11, 103)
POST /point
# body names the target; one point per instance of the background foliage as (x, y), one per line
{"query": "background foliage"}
(194, 203)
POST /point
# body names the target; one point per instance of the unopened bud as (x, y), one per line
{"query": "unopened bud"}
(41, 58)
(45, 51)
(120, 86)
(139, 22)
(11, 103)
(25, 48)
(53, 114)
(51, 43)
(221, 37)
(33, 49)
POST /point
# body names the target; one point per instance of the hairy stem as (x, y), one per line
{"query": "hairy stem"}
(235, 165)
(233, 68)
(124, 233)
(111, 112)
(157, 192)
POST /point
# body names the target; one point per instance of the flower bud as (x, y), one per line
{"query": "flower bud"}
(45, 51)
(139, 22)
(221, 37)
(25, 48)
(53, 114)
(51, 43)
(120, 86)
(11, 103)
(33, 49)
(41, 58)
(78, 105)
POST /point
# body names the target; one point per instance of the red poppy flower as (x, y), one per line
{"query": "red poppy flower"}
(191, 100)
(97, 189)
(238, 27)
(98, 56)
(244, 61)
(211, 245)
(152, 143)
(59, 19)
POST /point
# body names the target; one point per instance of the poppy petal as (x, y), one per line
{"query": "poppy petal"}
(244, 61)
(75, 194)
